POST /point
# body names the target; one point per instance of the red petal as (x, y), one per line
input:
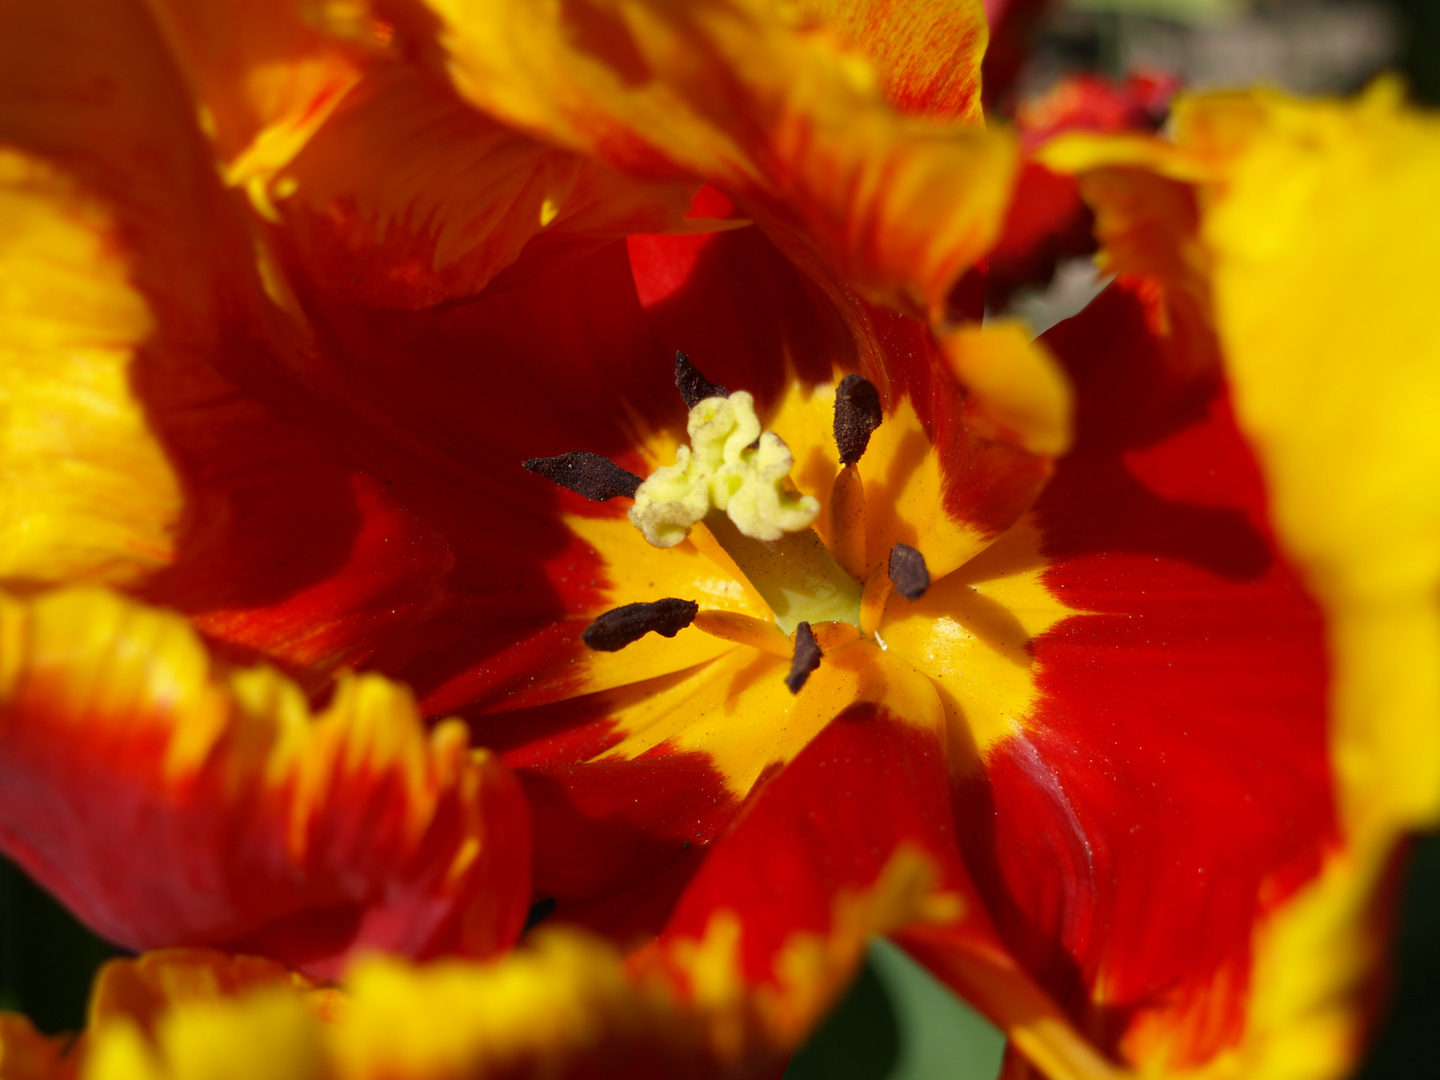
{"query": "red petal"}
(1173, 787)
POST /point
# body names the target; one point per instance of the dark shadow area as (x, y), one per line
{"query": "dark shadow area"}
(1420, 47)
(1408, 1041)
(860, 1040)
(47, 959)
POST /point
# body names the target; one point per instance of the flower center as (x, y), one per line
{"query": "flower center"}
(731, 488)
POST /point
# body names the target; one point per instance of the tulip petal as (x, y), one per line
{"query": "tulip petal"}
(88, 493)
(25, 1054)
(407, 197)
(267, 75)
(758, 102)
(128, 754)
(926, 55)
(1191, 819)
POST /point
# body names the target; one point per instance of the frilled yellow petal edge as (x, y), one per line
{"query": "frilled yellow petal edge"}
(88, 493)
(564, 1004)
(167, 798)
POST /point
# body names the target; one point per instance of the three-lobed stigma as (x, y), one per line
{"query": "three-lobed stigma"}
(730, 466)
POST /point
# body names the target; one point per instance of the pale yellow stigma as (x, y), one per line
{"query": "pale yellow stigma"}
(726, 469)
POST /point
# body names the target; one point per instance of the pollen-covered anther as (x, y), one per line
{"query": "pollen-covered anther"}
(724, 468)
(597, 478)
(693, 386)
(626, 625)
(806, 658)
(908, 572)
(857, 415)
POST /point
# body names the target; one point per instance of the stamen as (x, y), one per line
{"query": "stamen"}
(806, 659)
(878, 588)
(623, 626)
(857, 415)
(693, 386)
(908, 572)
(744, 630)
(597, 478)
(847, 521)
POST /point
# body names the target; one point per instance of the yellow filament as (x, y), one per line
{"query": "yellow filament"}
(874, 598)
(847, 521)
(745, 630)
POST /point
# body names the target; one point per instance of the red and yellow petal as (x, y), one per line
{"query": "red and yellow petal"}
(267, 75)
(130, 754)
(1336, 400)
(806, 135)
(406, 197)
(1167, 800)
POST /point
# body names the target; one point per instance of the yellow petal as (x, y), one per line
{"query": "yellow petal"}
(1022, 396)
(86, 493)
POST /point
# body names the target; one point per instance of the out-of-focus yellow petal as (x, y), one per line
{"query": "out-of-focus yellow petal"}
(756, 100)
(265, 1033)
(565, 1003)
(87, 494)
(1023, 397)
(1316, 234)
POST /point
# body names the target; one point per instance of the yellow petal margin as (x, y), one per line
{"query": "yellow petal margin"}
(86, 493)
(1317, 232)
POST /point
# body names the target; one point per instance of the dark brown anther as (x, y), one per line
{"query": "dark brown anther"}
(857, 415)
(597, 478)
(693, 386)
(908, 572)
(806, 659)
(623, 626)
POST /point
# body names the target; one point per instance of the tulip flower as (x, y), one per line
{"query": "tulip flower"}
(479, 464)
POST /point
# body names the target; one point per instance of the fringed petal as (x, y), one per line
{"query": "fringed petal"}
(167, 800)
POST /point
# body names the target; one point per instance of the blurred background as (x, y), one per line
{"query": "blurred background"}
(896, 1023)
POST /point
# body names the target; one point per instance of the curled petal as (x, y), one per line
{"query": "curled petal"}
(128, 754)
